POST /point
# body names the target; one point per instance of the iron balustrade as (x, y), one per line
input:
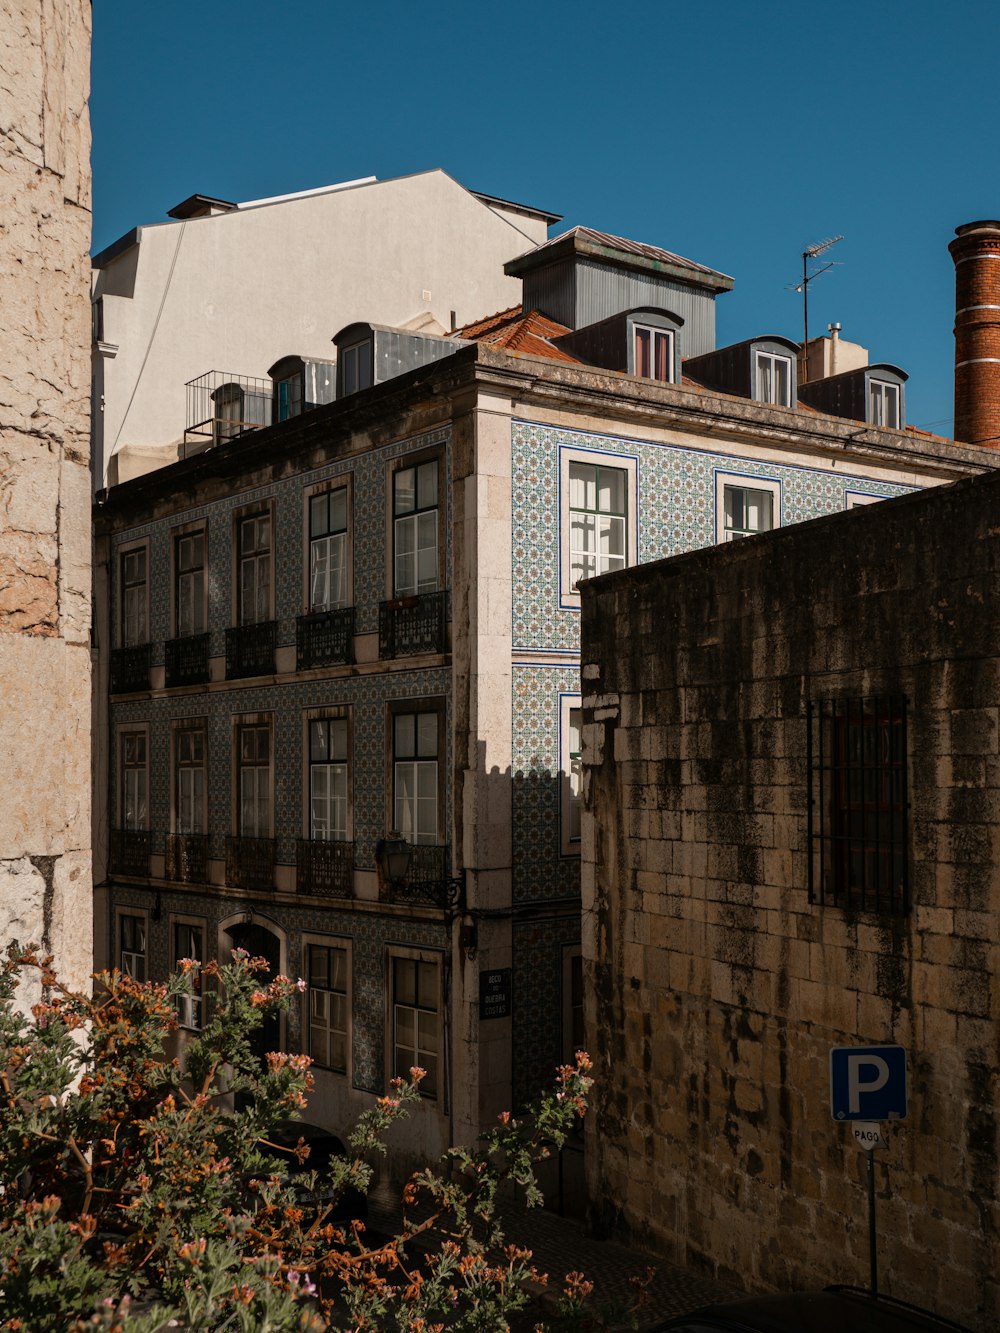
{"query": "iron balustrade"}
(186, 858)
(129, 850)
(250, 649)
(250, 862)
(130, 668)
(325, 638)
(186, 660)
(409, 626)
(428, 881)
(325, 867)
(221, 406)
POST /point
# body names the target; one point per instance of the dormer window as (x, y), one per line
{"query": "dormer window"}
(883, 404)
(654, 353)
(228, 419)
(773, 379)
(356, 367)
(288, 396)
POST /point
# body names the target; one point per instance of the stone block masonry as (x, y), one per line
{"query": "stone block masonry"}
(715, 986)
(45, 729)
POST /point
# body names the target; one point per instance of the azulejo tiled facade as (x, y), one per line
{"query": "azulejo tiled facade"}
(522, 906)
(675, 507)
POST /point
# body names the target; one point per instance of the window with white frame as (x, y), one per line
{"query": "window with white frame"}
(654, 353)
(415, 775)
(189, 943)
(598, 517)
(746, 506)
(857, 499)
(189, 583)
(598, 525)
(253, 755)
(571, 746)
(773, 379)
(328, 779)
(189, 778)
(132, 945)
(883, 403)
(356, 367)
(416, 1020)
(415, 529)
(326, 992)
(134, 780)
(328, 550)
(253, 558)
(133, 567)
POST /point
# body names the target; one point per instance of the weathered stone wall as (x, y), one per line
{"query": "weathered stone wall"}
(45, 880)
(715, 988)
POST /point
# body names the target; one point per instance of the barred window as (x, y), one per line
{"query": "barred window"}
(857, 817)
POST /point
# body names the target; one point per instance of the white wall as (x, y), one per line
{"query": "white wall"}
(237, 291)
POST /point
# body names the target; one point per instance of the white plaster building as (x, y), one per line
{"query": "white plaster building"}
(229, 288)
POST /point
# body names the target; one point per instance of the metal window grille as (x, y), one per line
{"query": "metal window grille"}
(858, 808)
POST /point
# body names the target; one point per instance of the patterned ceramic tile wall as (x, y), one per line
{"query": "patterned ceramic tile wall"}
(371, 936)
(537, 1002)
(370, 500)
(540, 871)
(675, 509)
(367, 697)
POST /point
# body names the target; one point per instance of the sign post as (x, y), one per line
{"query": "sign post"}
(868, 1085)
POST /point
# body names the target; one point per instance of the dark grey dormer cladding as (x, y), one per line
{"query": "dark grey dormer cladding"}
(873, 394)
(585, 277)
(736, 369)
(611, 343)
(390, 352)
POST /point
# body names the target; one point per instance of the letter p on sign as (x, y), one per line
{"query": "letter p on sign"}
(868, 1082)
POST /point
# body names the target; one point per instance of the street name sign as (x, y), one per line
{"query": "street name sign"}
(868, 1082)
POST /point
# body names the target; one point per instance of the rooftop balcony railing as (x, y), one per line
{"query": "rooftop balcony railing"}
(408, 626)
(325, 867)
(222, 406)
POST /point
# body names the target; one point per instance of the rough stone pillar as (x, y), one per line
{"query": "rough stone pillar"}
(45, 866)
(976, 252)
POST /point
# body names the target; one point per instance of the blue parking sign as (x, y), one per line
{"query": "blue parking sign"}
(868, 1082)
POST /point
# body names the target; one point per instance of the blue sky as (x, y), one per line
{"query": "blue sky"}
(732, 133)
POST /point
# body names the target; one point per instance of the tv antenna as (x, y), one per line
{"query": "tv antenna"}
(810, 254)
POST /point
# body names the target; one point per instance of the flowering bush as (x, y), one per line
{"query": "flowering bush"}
(136, 1193)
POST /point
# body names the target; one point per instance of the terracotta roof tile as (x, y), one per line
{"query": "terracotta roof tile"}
(513, 331)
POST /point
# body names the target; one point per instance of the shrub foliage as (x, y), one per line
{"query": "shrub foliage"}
(137, 1192)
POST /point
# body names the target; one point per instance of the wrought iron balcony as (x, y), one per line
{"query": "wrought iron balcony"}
(128, 853)
(186, 660)
(325, 638)
(186, 858)
(130, 668)
(408, 626)
(325, 867)
(427, 879)
(250, 862)
(250, 649)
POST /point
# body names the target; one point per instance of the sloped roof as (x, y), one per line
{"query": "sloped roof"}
(514, 331)
(602, 245)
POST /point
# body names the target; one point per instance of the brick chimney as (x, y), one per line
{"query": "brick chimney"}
(976, 252)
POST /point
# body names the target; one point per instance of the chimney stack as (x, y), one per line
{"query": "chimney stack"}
(976, 252)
